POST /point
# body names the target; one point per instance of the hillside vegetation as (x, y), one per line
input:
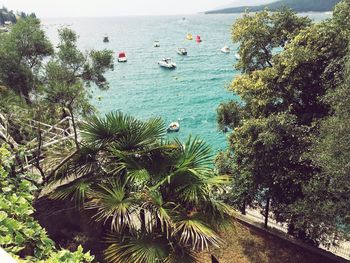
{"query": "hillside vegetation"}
(296, 5)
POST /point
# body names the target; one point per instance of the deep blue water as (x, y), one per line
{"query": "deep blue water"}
(191, 93)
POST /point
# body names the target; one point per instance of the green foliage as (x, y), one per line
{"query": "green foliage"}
(20, 233)
(327, 195)
(53, 83)
(295, 5)
(21, 54)
(282, 97)
(156, 197)
(260, 34)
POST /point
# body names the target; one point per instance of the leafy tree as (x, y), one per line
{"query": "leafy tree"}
(260, 34)
(155, 197)
(280, 104)
(327, 195)
(22, 52)
(69, 74)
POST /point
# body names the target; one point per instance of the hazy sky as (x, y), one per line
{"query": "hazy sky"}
(67, 8)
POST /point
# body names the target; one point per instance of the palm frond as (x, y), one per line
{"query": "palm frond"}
(143, 249)
(138, 177)
(77, 191)
(126, 132)
(84, 162)
(195, 153)
(194, 232)
(160, 212)
(112, 204)
(218, 214)
(181, 254)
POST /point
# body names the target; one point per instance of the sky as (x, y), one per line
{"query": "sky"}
(72, 8)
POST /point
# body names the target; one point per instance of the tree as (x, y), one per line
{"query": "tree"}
(281, 100)
(155, 197)
(71, 72)
(259, 35)
(22, 52)
(327, 195)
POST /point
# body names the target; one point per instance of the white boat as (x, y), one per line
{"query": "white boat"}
(173, 127)
(156, 44)
(122, 57)
(237, 56)
(225, 50)
(167, 63)
(182, 51)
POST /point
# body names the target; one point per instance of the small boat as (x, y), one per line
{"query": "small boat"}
(198, 39)
(189, 37)
(105, 39)
(237, 56)
(173, 127)
(122, 57)
(167, 63)
(225, 50)
(182, 51)
(156, 44)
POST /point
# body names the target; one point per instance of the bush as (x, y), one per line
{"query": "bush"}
(20, 234)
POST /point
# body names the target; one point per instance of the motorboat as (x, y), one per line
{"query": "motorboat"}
(167, 63)
(225, 50)
(122, 57)
(198, 39)
(182, 51)
(237, 56)
(189, 37)
(105, 39)
(173, 127)
(156, 44)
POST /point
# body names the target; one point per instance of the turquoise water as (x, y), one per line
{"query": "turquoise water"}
(190, 94)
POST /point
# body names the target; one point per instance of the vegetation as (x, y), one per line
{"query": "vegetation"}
(157, 198)
(9, 15)
(295, 5)
(43, 84)
(30, 72)
(160, 200)
(20, 234)
(273, 127)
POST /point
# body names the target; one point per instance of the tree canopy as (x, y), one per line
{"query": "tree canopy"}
(284, 81)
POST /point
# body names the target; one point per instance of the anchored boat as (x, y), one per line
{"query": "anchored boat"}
(189, 37)
(156, 44)
(122, 57)
(173, 127)
(225, 50)
(182, 51)
(167, 63)
(198, 39)
(105, 39)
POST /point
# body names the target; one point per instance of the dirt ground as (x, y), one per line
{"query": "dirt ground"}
(245, 245)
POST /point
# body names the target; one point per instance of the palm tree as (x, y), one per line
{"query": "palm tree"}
(155, 196)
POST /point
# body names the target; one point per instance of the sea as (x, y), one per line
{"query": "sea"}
(190, 94)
